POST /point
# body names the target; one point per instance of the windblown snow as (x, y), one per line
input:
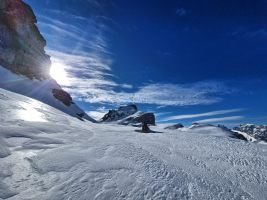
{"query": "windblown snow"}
(46, 154)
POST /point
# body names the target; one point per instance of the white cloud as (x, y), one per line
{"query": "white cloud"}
(90, 68)
(201, 93)
(52, 21)
(98, 113)
(222, 119)
(206, 114)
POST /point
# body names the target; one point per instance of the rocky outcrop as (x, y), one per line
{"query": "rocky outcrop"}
(174, 127)
(147, 119)
(252, 132)
(62, 96)
(21, 44)
(129, 115)
(121, 113)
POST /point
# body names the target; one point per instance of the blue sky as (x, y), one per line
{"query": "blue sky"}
(185, 60)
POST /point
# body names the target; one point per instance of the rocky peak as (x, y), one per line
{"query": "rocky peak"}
(120, 113)
(21, 44)
(174, 127)
(254, 131)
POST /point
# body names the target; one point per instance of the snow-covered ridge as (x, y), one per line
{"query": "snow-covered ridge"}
(46, 154)
(249, 132)
(252, 132)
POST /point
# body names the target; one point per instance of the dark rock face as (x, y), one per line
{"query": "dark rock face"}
(147, 118)
(21, 44)
(122, 112)
(174, 127)
(62, 96)
(223, 127)
(129, 115)
(257, 132)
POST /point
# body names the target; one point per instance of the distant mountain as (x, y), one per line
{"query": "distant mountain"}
(174, 127)
(247, 132)
(24, 65)
(128, 115)
(252, 132)
(121, 113)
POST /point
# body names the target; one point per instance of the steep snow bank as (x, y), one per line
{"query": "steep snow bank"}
(55, 156)
(41, 90)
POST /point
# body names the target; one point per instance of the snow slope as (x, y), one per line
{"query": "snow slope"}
(46, 154)
(37, 89)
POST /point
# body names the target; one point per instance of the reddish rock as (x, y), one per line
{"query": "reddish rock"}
(21, 44)
(62, 96)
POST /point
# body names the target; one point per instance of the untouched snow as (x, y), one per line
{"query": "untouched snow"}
(48, 155)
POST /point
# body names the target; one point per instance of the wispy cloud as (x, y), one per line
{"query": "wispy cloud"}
(91, 78)
(206, 114)
(58, 33)
(63, 13)
(201, 93)
(222, 119)
(181, 11)
(245, 33)
(85, 70)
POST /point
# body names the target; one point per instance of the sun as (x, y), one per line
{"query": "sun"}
(58, 72)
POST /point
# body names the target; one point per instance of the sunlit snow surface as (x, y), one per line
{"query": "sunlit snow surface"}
(29, 111)
(52, 156)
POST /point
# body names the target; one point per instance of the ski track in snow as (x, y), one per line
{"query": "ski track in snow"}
(57, 157)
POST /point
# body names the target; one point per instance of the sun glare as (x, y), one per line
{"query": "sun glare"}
(58, 72)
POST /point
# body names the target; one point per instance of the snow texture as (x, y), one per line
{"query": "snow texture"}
(48, 155)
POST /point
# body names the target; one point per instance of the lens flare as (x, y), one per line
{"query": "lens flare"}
(58, 72)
